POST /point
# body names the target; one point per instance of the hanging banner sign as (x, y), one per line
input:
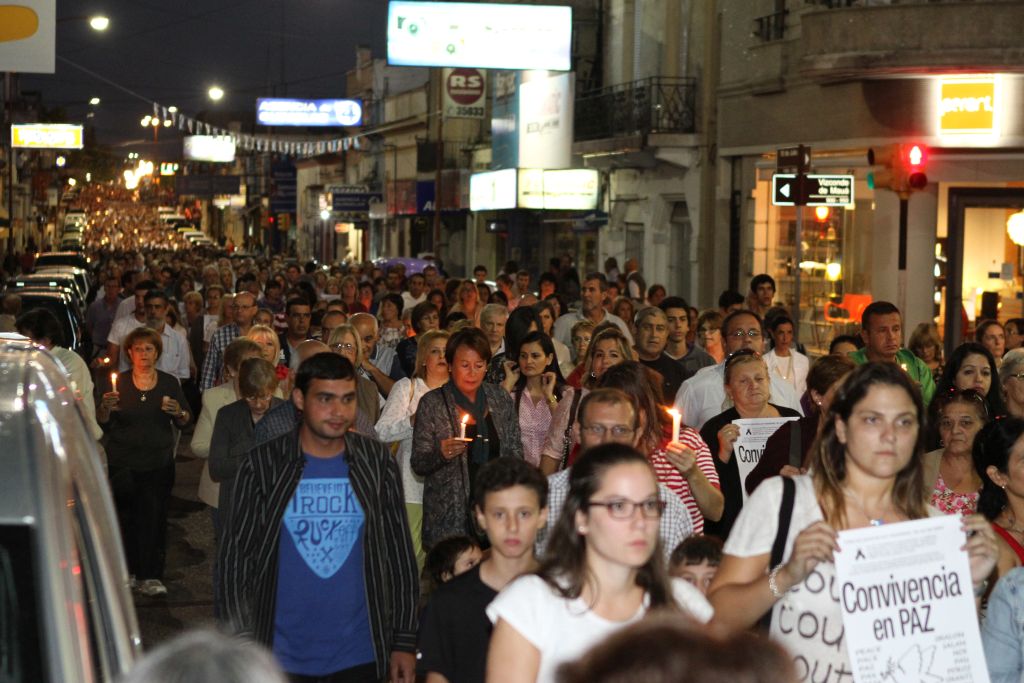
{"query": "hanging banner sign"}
(465, 93)
(277, 111)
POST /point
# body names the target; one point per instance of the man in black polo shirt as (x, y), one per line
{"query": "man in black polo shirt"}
(511, 507)
(651, 339)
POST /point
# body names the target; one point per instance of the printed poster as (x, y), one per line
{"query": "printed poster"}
(908, 603)
(749, 447)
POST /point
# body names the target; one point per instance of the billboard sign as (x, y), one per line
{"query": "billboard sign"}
(218, 148)
(571, 189)
(46, 136)
(28, 30)
(485, 35)
(465, 93)
(278, 111)
(545, 122)
(969, 105)
(493, 190)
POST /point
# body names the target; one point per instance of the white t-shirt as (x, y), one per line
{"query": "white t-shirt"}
(808, 620)
(563, 630)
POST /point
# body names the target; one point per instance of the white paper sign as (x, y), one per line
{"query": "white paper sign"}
(908, 604)
(749, 447)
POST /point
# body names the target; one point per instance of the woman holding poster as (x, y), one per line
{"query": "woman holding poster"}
(748, 386)
(866, 471)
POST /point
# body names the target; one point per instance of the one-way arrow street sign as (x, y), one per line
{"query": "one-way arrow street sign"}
(815, 190)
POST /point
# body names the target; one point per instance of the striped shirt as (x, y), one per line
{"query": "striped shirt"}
(266, 480)
(669, 476)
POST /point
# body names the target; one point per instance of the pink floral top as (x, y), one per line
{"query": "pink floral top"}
(534, 421)
(950, 502)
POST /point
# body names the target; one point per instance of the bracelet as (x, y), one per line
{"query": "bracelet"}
(773, 585)
(552, 401)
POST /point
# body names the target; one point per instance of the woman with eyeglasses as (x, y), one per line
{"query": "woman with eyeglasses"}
(866, 471)
(748, 388)
(345, 341)
(709, 334)
(604, 570)
(971, 366)
(398, 417)
(1011, 376)
(950, 469)
(682, 462)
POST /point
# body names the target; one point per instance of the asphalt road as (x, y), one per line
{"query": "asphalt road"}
(190, 552)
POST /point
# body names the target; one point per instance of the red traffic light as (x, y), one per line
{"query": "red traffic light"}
(915, 158)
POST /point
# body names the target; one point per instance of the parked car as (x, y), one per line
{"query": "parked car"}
(62, 258)
(81, 276)
(66, 612)
(59, 280)
(62, 305)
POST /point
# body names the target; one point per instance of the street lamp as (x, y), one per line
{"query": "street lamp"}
(215, 93)
(94, 101)
(99, 22)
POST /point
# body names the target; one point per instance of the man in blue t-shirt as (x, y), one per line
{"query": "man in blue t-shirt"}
(317, 558)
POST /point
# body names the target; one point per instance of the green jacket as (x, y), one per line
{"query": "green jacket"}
(914, 366)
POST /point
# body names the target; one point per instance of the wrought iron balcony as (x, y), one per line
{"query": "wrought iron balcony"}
(650, 105)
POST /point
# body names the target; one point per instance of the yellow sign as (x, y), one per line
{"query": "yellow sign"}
(46, 136)
(968, 106)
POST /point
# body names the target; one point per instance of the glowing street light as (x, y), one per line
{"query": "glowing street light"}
(72, 182)
(145, 121)
(61, 161)
(325, 214)
(216, 93)
(94, 101)
(172, 109)
(99, 22)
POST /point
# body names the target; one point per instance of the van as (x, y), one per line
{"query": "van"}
(66, 612)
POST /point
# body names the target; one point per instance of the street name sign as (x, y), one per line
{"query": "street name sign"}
(815, 190)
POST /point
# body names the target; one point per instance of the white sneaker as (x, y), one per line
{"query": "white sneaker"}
(152, 588)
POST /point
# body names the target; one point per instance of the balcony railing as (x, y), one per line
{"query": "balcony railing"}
(843, 4)
(771, 26)
(650, 105)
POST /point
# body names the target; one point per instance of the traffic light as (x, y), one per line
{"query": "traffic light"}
(914, 161)
(903, 167)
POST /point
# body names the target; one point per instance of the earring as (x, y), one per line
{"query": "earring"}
(583, 529)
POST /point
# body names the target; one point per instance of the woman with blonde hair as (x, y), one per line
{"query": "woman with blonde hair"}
(270, 348)
(926, 345)
(467, 301)
(345, 341)
(608, 347)
(399, 415)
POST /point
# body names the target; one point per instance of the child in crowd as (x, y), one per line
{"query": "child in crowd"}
(510, 506)
(449, 558)
(696, 561)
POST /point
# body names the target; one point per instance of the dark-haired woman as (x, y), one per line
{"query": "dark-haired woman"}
(521, 322)
(999, 461)
(604, 570)
(950, 470)
(536, 386)
(424, 317)
(447, 462)
(389, 312)
(971, 366)
(866, 471)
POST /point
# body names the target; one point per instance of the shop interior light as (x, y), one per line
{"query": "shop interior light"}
(1015, 228)
(821, 213)
(833, 271)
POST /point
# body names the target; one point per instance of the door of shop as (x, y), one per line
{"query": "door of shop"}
(961, 199)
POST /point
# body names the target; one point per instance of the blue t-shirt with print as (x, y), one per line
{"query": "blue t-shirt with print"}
(321, 621)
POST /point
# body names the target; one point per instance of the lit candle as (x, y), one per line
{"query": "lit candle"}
(113, 381)
(904, 366)
(465, 419)
(106, 360)
(676, 420)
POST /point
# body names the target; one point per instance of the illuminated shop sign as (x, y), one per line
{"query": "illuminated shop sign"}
(969, 105)
(565, 189)
(46, 136)
(210, 148)
(479, 34)
(492, 190)
(276, 111)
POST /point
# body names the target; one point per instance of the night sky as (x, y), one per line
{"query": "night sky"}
(173, 51)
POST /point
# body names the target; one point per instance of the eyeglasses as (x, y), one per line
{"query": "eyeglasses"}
(1016, 375)
(255, 399)
(971, 395)
(598, 431)
(753, 333)
(344, 347)
(620, 508)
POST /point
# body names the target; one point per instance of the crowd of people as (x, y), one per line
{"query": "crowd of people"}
(411, 474)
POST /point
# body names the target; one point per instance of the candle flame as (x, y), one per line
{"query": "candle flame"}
(673, 412)
(465, 418)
